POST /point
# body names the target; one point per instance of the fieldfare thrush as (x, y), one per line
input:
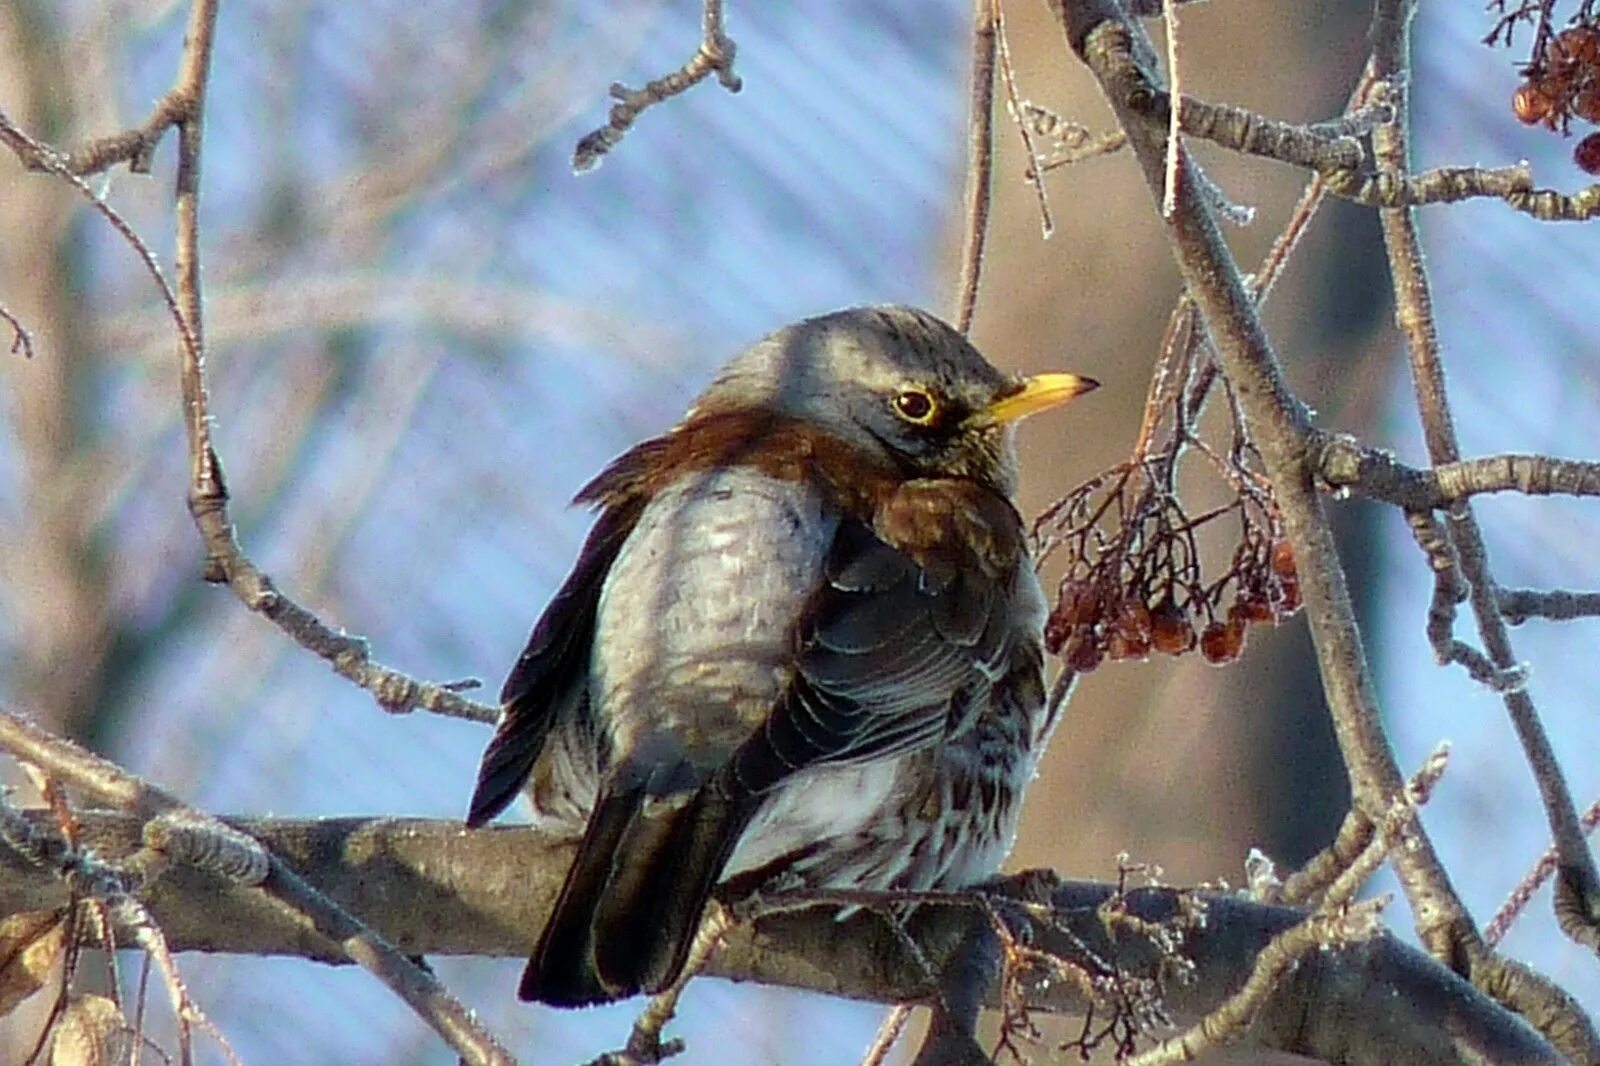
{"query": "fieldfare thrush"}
(801, 648)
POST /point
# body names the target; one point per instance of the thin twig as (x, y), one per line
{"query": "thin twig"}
(980, 160)
(714, 56)
(1449, 185)
(21, 338)
(1311, 880)
(894, 1024)
(1325, 147)
(48, 159)
(116, 888)
(1337, 921)
(1557, 605)
(135, 146)
(1343, 463)
(1520, 896)
(645, 1046)
(1321, 931)
(1016, 108)
(1169, 193)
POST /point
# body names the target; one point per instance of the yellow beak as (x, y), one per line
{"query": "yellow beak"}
(1037, 394)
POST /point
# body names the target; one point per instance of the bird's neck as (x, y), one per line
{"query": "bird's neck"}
(957, 521)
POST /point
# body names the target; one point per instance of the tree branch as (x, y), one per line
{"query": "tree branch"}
(431, 888)
(1342, 462)
(714, 56)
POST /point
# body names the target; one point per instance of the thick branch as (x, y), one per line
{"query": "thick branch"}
(433, 888)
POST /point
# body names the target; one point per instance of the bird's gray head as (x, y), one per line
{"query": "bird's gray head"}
(895, 380)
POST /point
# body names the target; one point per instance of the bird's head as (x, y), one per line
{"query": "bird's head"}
(897, 381)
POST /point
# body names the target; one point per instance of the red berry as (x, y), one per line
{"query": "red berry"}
(1282, 561)
(1079, 602)
(1056, 632)
(1120, 646)
(1252, 605)
(1083, 652)
(1171, 632)
(1222, 641)
(1132, 620)
(1586, 105)
(1578, 44)
(1587, 154)
(1531, 104)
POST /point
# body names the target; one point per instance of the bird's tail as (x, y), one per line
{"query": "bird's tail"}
(634, 896)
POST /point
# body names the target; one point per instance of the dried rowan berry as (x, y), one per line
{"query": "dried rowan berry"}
(1129, 637)
(1576, 44)
(1587, 154)
(1253, 605)
(1132, 620)
(1282, 560)
(1083, 652)
(1171, 632)
(1222, 642)
(1056, 632)
(1079, 602)
(1531, 104)
(1586, 105)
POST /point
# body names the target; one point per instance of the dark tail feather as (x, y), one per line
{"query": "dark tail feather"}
(633, 899)
(509, 759)
(562, 970)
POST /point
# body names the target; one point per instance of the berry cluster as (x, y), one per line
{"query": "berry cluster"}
(1141, 590)
(1561, 79)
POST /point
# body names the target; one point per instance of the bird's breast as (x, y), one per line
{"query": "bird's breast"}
(694, 631)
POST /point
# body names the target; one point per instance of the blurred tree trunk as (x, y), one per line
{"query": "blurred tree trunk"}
(53, 574)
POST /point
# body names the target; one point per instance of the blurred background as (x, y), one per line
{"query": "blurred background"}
(425, 334)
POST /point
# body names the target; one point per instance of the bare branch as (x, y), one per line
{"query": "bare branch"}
(980, 160)
(434, 889)
(894, 1024)
(1558, 605)
(714, 56)
(113, 888)
(1343, 463)
(1016, 107)
(135, 146)
(1336, 921)
(208, 495)
(1449, 185)
(21, 339)
(1520, 896)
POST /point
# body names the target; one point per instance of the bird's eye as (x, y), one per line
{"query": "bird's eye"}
(915, 406)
